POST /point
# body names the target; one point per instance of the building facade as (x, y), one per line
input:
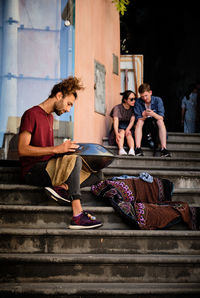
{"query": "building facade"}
(97, 63)
(42, 42)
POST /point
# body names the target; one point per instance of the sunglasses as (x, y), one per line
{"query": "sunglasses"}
(132, 99)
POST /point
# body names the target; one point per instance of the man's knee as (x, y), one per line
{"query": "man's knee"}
(160, 123)
(139, 124)
(129, 134)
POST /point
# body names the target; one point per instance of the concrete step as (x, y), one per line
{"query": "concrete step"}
(131, 165)
(57, 217)
(144, 162)
(19, 194)
(53, 217)
(179, 136)
(124, 164)
(190, 177)
(180, 153)
(10, 174)
(183, 145)
(175, 136)
(99, 268)
(192, 196)
(177, 142)
(99, 290)
(182, 178)
(100, 241)
(113, 261)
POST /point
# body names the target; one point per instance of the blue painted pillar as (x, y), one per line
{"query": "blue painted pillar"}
(8, 104)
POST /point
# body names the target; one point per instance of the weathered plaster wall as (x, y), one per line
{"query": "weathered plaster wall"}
(97, 37)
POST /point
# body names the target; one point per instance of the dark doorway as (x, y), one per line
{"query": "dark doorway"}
(169, 39)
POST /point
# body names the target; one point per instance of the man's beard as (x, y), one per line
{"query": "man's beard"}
(58, 112)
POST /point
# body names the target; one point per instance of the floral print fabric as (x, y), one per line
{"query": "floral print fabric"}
(144, 205)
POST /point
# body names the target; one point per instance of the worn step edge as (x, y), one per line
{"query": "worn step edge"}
(184, 138)
(109, 147)
(5, 186)
(35, 208)
(157, 158)
(104, 233)
(25, 187)
(153, 171)
(100, 288)
(178, 133)
(100, 258)
(16, 186)
(186, 190)
(47, 209)
(10, 169)
(150, 168)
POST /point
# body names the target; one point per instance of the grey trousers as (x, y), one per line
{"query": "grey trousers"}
(38, 176)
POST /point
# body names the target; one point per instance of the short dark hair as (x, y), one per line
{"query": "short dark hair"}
(144, 87)
(67, 86)
(125, 95)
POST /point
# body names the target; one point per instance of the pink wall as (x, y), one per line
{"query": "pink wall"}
(97, 37)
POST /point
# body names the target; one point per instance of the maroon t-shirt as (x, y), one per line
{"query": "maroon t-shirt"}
(40, 125)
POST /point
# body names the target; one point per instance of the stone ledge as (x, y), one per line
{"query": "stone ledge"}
(101, 289)
(100, 258)
(105, 233)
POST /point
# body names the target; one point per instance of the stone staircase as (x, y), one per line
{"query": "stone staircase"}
(41, 257)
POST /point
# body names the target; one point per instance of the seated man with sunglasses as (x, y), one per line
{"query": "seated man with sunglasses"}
(149, 112)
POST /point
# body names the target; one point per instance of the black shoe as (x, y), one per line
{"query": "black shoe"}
(58, 194)
(139, 152)
(164, 153)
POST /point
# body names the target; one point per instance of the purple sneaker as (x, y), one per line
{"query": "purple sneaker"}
(59, 194)
(84, 221)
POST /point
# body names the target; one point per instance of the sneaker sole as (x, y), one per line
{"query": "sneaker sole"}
(54, 195)
(74, 227)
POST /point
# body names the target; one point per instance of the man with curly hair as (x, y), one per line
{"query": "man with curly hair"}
(39, 157)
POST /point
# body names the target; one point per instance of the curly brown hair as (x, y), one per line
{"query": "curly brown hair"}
(67, 86)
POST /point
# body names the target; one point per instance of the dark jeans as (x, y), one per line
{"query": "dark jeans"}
(38, 176)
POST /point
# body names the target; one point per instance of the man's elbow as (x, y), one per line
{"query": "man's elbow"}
(22, 151)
